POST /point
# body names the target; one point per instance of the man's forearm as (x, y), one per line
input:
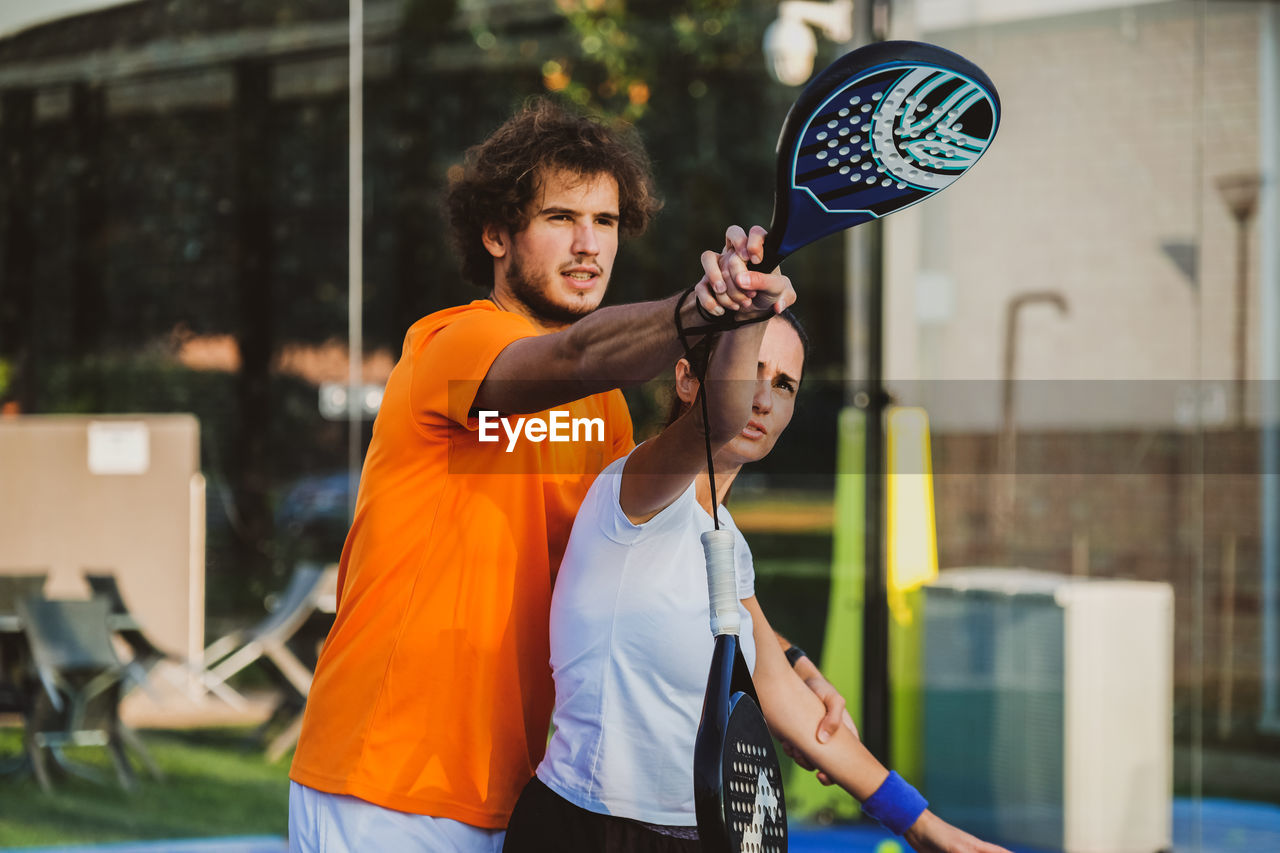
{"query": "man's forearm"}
(625, 345)
(610, 348)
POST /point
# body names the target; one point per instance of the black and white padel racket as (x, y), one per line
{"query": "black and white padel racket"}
(737, 782)
(882, 128)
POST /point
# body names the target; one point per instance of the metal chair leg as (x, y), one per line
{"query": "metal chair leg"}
(284, 741)
(124, 771)
(36, 755)
(134, 742)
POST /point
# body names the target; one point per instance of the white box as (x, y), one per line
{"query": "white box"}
(1048, 704)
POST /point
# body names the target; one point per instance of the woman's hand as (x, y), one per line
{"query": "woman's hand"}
(844, 720)
(727, 284)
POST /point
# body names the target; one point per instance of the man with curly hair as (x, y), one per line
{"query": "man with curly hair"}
(432, 697)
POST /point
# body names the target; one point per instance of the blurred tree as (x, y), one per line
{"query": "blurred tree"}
(88, 126)
(18, 340)
(622, 49)
(255, 318)
(419, 249)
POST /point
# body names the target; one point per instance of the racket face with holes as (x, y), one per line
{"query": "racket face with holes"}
(752, 801)
(882, 128)
(736, 777)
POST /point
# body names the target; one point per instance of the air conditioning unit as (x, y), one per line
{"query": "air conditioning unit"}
(1048, 709)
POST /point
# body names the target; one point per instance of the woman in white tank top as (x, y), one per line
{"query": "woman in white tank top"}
(630, 649)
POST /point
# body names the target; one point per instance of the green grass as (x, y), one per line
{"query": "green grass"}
(216, 783)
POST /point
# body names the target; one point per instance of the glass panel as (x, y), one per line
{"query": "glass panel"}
(1087, 319)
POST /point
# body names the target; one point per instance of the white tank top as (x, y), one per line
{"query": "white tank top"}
(630, 648)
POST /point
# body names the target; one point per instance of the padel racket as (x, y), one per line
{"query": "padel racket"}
(882, 128)
(737, 783)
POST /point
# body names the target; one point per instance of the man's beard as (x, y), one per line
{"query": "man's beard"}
(536, 300)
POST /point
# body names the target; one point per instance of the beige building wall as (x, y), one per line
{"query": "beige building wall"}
(119, 493)
(1116, 125)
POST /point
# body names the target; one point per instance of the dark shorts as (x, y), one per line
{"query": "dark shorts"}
(545, 822)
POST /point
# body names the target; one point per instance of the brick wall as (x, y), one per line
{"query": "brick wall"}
(1144, 505)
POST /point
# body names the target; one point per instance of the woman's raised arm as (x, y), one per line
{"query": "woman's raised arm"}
(659, 470)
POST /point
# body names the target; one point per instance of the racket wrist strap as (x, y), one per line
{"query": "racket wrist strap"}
(895, 805)
(726, 322)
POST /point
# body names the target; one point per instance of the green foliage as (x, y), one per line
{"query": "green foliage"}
(217, 783)
(424, 21)
(622, 48)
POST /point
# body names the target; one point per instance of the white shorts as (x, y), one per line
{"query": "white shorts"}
(336, 823)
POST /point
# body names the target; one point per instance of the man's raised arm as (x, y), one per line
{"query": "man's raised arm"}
(627, 344)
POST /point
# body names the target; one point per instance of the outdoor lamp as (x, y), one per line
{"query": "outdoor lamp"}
(789, 44)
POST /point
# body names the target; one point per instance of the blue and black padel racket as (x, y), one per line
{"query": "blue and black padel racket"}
(882, 128)
(737, 781)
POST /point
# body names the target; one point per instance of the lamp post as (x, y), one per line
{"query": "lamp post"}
(1240, 192)
(790, 48)
(1003, 497)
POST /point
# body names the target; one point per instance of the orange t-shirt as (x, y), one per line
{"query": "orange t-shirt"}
(433, 693)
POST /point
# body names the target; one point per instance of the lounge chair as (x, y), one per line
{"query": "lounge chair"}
(80, 674)
(232, 653)
(146, 654)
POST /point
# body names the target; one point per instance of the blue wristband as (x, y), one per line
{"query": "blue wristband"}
(895, 804)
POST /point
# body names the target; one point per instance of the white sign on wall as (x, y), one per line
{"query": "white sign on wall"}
(119, 447)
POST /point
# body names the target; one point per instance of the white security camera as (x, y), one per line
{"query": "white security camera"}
(789, 48)
(789, 44)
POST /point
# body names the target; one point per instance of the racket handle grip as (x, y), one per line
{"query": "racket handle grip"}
(722, 581)
(772, 255)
